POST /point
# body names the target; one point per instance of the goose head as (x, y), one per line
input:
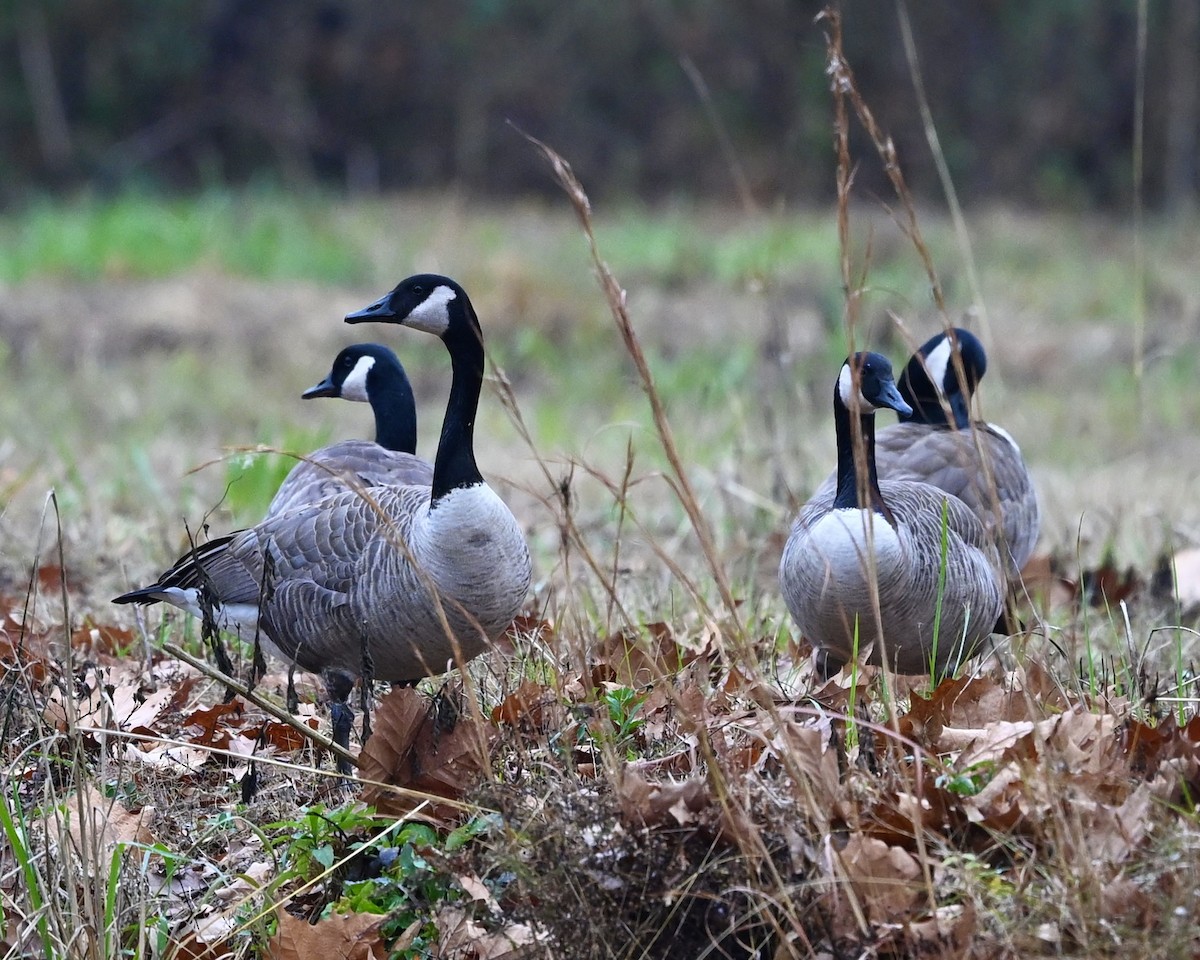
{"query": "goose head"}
(866, 384)
(438, 305)
(372, 373)
(930, 381)
(427, 302)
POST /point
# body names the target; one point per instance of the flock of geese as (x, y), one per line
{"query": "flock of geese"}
(372, 563)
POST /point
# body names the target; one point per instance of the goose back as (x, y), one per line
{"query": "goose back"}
(348, 465)
(982, 466)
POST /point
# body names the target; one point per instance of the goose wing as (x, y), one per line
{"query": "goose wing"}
(1001, 495)
(948, 553)
(312, 559)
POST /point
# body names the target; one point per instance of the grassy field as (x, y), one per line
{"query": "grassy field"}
(146, 343)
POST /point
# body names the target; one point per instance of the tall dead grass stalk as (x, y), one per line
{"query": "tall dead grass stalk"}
(615, 296)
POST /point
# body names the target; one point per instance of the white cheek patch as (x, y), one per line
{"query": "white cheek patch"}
(937, 362)
(431, 315)
(846, 391)
(354, 387)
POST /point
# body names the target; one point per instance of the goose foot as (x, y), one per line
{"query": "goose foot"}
(826, 664)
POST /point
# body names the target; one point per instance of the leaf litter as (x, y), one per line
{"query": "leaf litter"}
(713, 810)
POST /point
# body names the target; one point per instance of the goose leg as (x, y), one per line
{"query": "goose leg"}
(367, 678)
(364, 702)
(293, 700)
(339, 684)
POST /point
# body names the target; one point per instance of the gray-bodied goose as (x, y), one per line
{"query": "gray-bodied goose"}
(939, 443)
(894, 527)
(369, 373)
(393, 584)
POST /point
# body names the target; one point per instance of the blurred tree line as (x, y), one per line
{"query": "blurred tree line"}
(1033, 100)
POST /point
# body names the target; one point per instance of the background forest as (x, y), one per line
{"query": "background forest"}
(1033, 101)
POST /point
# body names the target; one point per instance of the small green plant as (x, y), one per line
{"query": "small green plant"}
(404, 880)
(623, 705)
(13, 823)
(967, 783)
(252, 478)
(852, 700)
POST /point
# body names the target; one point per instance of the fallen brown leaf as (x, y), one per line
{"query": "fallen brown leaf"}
(409, 748)
(353, 936)
(656, 802)
(886, 879)
(96, 824)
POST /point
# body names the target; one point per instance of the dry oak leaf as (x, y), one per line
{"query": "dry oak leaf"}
(352, 936)
(94, 639)
(531, 704)
(462, 938)
(1042, 581)
(886, 879)
(803, 750)
(654, 802)
(215, 724)
(96, 824)
(1080, 740)
(948, 933)
(410, 748)
(639, 658)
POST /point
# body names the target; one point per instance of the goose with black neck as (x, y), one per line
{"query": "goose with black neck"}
(366, 373)
(939, 443)
(920, 553)
(394, 583)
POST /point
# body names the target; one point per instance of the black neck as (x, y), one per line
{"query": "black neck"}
(849, 494)
(927, 404)
(455, 466)
(958, 406)
(395, 415)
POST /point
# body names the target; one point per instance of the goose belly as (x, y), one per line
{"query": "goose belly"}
(239, 620)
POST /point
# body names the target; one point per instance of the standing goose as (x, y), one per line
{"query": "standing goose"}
(896, 527)
(976, 461)
(369, 373)
(390, 584)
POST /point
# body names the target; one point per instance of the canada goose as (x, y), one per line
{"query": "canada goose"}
(976, 461)
(370, 373)
(392, 584)
(896, 527)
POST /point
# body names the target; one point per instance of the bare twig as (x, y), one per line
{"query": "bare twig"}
(943, 169)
